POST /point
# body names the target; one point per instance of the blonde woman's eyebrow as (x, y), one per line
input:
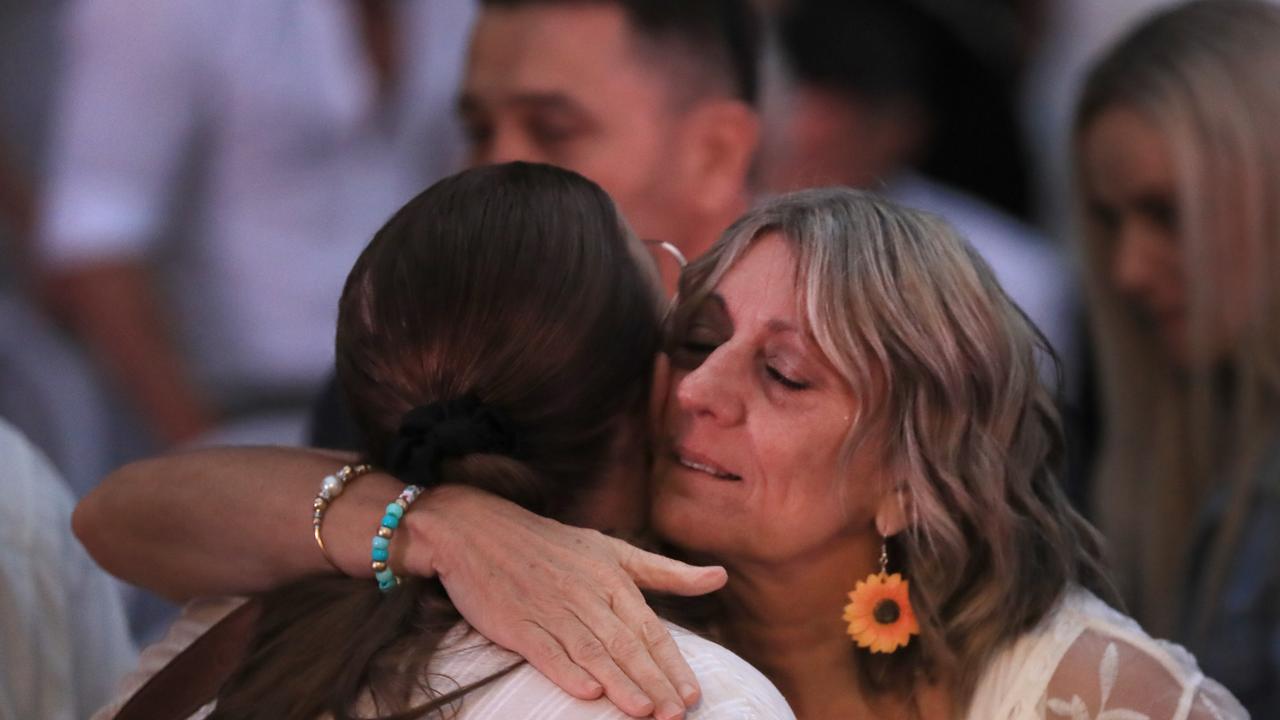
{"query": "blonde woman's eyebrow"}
(779, 326)
(717, 304)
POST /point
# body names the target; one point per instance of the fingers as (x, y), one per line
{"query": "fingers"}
(663, 574)
(590, 653)
(584, 624)
(669, 658)
(629, 648)
(653, 633)
(548, 656)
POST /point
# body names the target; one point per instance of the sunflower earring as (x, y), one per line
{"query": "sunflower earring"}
(879, 611)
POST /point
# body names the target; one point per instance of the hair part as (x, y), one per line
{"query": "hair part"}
(518, 284)
(917, 325)
(1204, 73)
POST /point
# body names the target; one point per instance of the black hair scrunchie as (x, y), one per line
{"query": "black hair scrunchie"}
(447, 429)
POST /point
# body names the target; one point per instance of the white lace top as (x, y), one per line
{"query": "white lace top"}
(1086, 661)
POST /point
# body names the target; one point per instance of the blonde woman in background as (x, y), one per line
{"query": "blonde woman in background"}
(1178, 154)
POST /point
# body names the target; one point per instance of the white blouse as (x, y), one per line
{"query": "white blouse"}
(731, 689)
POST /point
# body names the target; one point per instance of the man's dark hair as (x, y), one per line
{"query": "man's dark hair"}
(718, 39)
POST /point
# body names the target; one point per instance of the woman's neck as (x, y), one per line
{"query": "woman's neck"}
(800, 646)
(786, 620)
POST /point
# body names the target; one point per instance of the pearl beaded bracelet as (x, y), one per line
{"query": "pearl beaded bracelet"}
(330, 488)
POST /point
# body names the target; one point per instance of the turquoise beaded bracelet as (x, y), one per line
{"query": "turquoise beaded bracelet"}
(382, 541)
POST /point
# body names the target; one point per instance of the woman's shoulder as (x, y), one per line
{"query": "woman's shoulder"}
(731, 687)
(1086, 658)
(197, 617)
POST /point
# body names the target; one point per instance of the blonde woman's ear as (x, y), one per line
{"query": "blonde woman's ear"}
(891, 516)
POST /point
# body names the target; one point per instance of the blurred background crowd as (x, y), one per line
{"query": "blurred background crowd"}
(184, 185)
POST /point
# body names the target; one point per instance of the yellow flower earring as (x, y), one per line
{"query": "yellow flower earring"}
(879, 611)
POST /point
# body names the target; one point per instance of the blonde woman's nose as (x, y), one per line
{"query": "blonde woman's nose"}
(711, 390)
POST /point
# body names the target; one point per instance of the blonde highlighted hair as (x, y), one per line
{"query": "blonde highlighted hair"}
(949, 372)
(1207, 75)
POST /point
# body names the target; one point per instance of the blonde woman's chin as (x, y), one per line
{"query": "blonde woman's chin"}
(696, 510)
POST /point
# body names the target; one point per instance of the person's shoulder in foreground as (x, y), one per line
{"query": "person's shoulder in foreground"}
(731, 688)
(64, 641)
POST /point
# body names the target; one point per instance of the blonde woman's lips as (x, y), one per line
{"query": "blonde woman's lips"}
(703, 465)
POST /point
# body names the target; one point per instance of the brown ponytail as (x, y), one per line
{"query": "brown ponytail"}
(514, 283)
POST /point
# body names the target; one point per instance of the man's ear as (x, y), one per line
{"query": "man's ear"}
(892, 514)
(721, 139)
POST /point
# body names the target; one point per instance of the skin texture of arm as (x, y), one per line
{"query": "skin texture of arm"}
(113, 308)
(226, 522)
(238, 520)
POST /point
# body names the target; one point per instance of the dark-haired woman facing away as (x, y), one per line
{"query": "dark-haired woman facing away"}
(498, 332)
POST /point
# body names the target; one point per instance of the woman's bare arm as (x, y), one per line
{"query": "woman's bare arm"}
(238, 520)
(227, 521)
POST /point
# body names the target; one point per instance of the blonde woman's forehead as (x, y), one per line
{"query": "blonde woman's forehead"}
(760, 285)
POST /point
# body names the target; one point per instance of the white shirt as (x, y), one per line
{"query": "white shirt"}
(271, 107)
(64, 642)
(731, 689)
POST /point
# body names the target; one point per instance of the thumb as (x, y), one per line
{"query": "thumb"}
(651, 571)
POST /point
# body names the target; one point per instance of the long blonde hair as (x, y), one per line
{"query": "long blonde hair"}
(915, 322)
(1207, 74)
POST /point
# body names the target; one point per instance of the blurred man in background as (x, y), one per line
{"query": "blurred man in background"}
(48, 390)
(653, 99)
(215, 169)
